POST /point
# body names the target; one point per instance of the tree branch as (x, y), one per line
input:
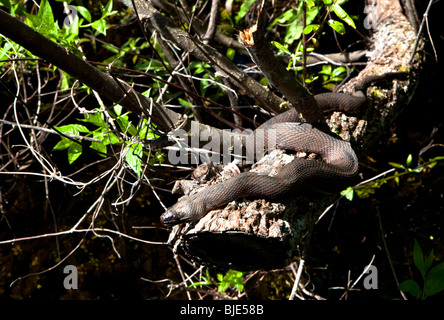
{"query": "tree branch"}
(223, 66)
(118, 92)
(298, 96)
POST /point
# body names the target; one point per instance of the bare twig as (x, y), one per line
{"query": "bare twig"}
(423, 22)
(27, 126)
(297, 279)
(212, 24)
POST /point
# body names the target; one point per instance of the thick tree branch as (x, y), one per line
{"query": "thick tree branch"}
(278, 75)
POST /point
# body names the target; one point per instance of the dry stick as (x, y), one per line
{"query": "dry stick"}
(212, 24)
(182, 275)
(424, 21)
(72, 231)
(50, 268)
(297, 279)
(357, 280)
(27, 126)
(378, 214)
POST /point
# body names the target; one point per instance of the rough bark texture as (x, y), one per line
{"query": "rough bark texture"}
(258, 234)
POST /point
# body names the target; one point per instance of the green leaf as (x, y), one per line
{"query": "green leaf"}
(74, 151)
(408, 162)
(326, 69)
(411, 287)
(63, 144)
(85, 13)
(310, 3)
(434, 282)
(118, 110)
(97, 119)
(343, 15)
(243, 10)
(73, 129)
(110, 138)
(293, 18)
(311, 28)
(100, 147)
(109, 7)
(230, 53)
(157, 158)
(134, 157)
(338, 72)
(48, 27)
(418, 258)
(281, 47)
(337, 26)
(99, 26)
(348, 193)
(396, 165)
(233, 278)
(146, 131)
(206, 280)
(428, 262)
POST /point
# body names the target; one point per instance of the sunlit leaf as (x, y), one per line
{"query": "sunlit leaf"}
(74, 151)
(337, 26)
(348, 193)
(134, 157)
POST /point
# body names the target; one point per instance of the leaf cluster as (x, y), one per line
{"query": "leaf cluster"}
(432, 278)
(232, 278)
(367, 189)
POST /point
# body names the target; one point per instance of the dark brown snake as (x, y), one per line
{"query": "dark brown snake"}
(336, 172)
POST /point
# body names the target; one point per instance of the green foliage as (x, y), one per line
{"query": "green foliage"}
(432, 277)
(370, 187)
(133, 135)
(293, 18)
(67, 36)
(74, 148)
(315, 12)
(331, 75)
(243, 10)
(97, 123)
(231, 278)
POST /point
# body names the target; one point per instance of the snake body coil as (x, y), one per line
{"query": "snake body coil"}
(337, 170)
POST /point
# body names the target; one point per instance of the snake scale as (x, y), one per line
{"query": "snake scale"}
(337, 170)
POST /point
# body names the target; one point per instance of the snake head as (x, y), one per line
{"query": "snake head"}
(181, 212)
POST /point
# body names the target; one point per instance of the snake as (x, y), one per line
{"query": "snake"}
(336, 171)
(338, 168)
